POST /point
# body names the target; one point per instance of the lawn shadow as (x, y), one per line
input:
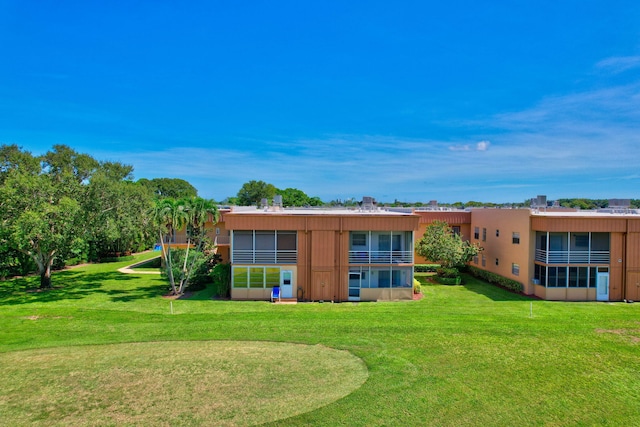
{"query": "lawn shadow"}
(493, 292)
(76, 285)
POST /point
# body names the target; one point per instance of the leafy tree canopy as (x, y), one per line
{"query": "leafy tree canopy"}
(174, 188)
(66, 204)
(441, 245)
(253, 192)
(295, 197)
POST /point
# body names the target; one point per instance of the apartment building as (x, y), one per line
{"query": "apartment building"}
(367, 254)
(562, 255)
(321, 255)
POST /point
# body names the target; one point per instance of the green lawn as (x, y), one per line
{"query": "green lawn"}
(463, 355)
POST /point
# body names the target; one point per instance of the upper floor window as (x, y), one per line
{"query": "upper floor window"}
(264, 247)
(515, 238)
(484, 234)
(358, 239)
(476, 233)
(456, 229)
(497, 233)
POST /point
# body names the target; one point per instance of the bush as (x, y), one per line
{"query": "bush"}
(449, 273)
(203, 264)
(449, 280)
(221, 277)
(426, 268)
(417, 287)
(116, 258)
(496, 279)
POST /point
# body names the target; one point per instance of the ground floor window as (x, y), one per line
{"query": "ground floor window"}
(255, 277)
(567, 276)
(380, 277)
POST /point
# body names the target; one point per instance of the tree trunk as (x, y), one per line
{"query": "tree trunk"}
(45, 278)
(166, 254)
(45, 272)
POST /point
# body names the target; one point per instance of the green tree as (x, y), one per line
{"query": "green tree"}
(199, 211)
(40, 218)
(174, 188)
(116, 212)
(440, 244)
(253, 192)
(63, 205)
(170, 215)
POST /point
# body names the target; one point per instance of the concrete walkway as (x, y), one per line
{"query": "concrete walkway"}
(129, 269)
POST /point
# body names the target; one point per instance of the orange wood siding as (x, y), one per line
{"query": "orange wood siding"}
(381, 223)
(323, 249)
(633, 225)
(633, 251)
(578, 224)
(264, 222)
(616, 266)
(450, 217)
(321, 222)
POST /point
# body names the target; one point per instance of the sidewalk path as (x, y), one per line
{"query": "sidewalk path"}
(129, 269)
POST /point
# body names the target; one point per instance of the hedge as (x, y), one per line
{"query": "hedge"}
(496, 279)
(426, 268)
(449, 280)
(116, 259)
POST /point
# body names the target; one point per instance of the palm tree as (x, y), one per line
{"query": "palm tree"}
(199, 211)
(169, 215)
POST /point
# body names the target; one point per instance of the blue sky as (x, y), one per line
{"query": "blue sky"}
(410, 100)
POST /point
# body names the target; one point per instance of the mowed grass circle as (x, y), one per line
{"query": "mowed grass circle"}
(173, 383)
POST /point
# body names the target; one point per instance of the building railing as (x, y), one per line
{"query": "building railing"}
(220, 239)
(380, 257)
(249, 256)
(572, 257)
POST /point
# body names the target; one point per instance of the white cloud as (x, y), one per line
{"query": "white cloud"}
(483, 145)
(619, 64)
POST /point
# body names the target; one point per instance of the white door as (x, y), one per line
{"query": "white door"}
(286, 284)
(602, 287)
(354, 286)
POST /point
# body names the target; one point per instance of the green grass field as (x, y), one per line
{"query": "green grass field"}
(104, 348)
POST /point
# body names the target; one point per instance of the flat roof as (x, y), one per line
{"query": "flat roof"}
(631, 213)
(245, 210)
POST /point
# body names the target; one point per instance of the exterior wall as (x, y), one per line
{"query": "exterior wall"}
(632, 261)
(500, 224)
(460, 219)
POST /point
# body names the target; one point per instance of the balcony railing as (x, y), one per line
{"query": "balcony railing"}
(572, 257)
(265, 256)
(381, 257)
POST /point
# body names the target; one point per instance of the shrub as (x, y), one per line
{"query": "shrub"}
(117, 259)
(203, 264)
(221, 277)
(496, 279)
(417, 287)
(426, 268)
(449, 273)
(449, 280)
